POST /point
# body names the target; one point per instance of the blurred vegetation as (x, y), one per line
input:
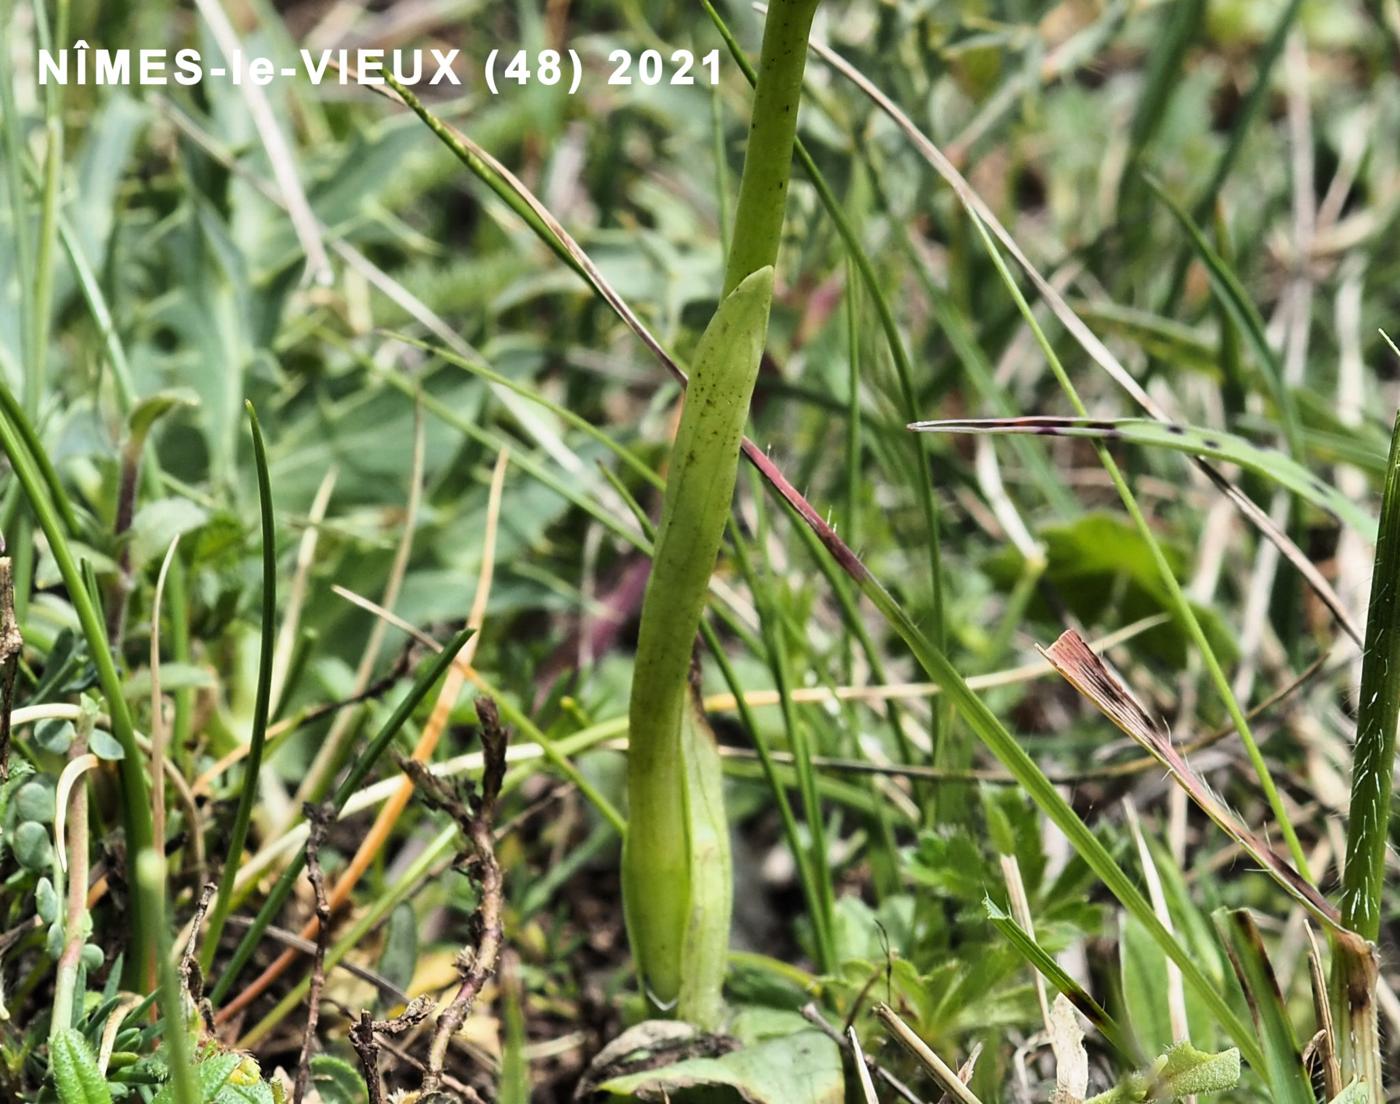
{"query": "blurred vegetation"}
(458, 430)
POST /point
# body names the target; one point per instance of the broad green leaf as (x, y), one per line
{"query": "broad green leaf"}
(677, 835)
(336, 1080)
(157, 523)
(75, 1074)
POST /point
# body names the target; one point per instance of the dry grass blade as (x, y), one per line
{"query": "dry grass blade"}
(948, 1080)
(867, 1086)
(1326, 1046)
(1088, 674)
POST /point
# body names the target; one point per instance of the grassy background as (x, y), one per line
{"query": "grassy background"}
(150, 251)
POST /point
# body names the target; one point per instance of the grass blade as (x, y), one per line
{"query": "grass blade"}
(1374, 758)
(1283, 1068)
(1265, 462)
(218, 915)
(1088, 674)
(1041, 961)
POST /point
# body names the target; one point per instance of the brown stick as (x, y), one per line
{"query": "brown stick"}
(474, 817)
(319, 819)
(11, 645)
(367, 1046)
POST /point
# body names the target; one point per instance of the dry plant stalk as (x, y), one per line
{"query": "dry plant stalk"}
(319, 818)
(362, 1038)
(474, 815)
(11, 645)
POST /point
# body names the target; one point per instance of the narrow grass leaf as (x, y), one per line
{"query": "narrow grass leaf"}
(252, 766)
(1283, 1067)
(1043, 963)
(1194, 441)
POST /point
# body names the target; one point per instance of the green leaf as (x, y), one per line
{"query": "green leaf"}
(1181, 1071)
(675, 855)
(804, 1068)
(1284, 1070)
(104, 745)
(1354, 1093)
(32, 846)
(75, 1072)
(157, 523)
(46, 901)
(152, 408)
(337, 1081)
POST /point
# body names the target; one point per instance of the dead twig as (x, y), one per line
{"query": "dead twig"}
(362, 1038)
(474, 816)
(11, 645)
(848, 1042)
(191, 977)
(319, 819)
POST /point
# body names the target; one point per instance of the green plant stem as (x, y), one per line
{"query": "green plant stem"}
(1373, 761)
(758, 217)
(151, 882)
(135, 804)
(252, 766)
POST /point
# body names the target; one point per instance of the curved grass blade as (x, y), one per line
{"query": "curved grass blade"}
(258, 737)
(1267, 463)
(1089, 675)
